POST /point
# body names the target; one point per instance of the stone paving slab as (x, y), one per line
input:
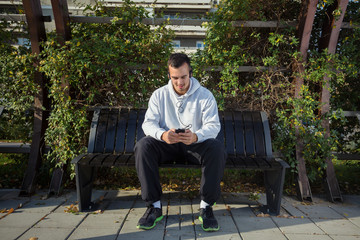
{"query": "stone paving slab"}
(11, 232)
(338, 227)
(337, 237)
(315, 211)
(94, 233)
(291, 208)
(46, 218)
(102, 221)
(298, 226)
(294, 236)
(21, 220)
(47, 233)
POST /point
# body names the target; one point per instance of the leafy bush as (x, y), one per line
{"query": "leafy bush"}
(229, 47)
(16, 86)
(300, 122)
(115, 64)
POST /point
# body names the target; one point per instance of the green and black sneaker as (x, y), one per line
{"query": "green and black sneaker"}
(207, 218)
(150, 218)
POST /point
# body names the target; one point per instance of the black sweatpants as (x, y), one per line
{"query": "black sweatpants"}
(150, 152)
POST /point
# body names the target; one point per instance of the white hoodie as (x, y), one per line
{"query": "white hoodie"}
(196, 110)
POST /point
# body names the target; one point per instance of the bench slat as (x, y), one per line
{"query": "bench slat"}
(109, 161)
(249, 162)
(131, 161)
(259, 134)
(140, 132)
(98, 160)
(261, 162)
(101, 131)
(121, 131)
(111, 130)
(93, 127)
(131, 131)
(249, 134)
(229, 133)
(239, 133)
(87, 158)
(122, 160)
(220, 135)
(267, 134)
(237, 162)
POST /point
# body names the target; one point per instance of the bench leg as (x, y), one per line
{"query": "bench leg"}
(84, 183)
(274, 183)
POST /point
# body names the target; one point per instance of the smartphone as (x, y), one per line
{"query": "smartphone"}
(180, 130)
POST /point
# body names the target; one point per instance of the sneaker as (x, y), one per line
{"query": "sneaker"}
(150, 218)
(207, 218)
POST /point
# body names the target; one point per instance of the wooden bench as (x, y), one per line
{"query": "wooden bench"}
(114, 132)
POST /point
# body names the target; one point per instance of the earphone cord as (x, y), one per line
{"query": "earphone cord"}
(179, 106)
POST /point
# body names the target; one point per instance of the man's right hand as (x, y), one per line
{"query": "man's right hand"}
(170, 137)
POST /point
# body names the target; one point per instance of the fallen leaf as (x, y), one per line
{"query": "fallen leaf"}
(33, 238)
(71, 209)
(263, 215)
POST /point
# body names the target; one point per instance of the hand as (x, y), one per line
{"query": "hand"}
(170, 137)
(187, 137)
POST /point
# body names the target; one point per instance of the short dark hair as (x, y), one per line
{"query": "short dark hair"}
(176, 60)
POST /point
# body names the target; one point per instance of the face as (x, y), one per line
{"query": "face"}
(180, 78)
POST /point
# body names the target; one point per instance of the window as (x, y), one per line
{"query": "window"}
(176, 43)
(200, 44)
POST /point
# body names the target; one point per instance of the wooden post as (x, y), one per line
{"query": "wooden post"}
(62, 20)
(62, 23)
(329, 40)
(306, 20)
(37, 32)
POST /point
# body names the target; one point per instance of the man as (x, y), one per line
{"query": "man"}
(181, 122)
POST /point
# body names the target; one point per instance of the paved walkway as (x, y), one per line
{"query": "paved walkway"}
(39, 218)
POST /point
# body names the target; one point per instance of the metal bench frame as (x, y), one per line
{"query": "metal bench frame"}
(114, 132)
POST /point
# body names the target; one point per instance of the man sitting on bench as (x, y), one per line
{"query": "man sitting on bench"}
(181, 122)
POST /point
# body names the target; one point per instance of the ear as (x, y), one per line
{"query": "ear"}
(168, 75)
(190, 73)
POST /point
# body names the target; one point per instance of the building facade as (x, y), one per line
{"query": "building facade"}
(188, 37)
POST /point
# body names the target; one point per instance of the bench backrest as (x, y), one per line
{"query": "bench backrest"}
(244, 133)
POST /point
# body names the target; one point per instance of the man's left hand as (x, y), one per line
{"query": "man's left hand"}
(188, 137)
